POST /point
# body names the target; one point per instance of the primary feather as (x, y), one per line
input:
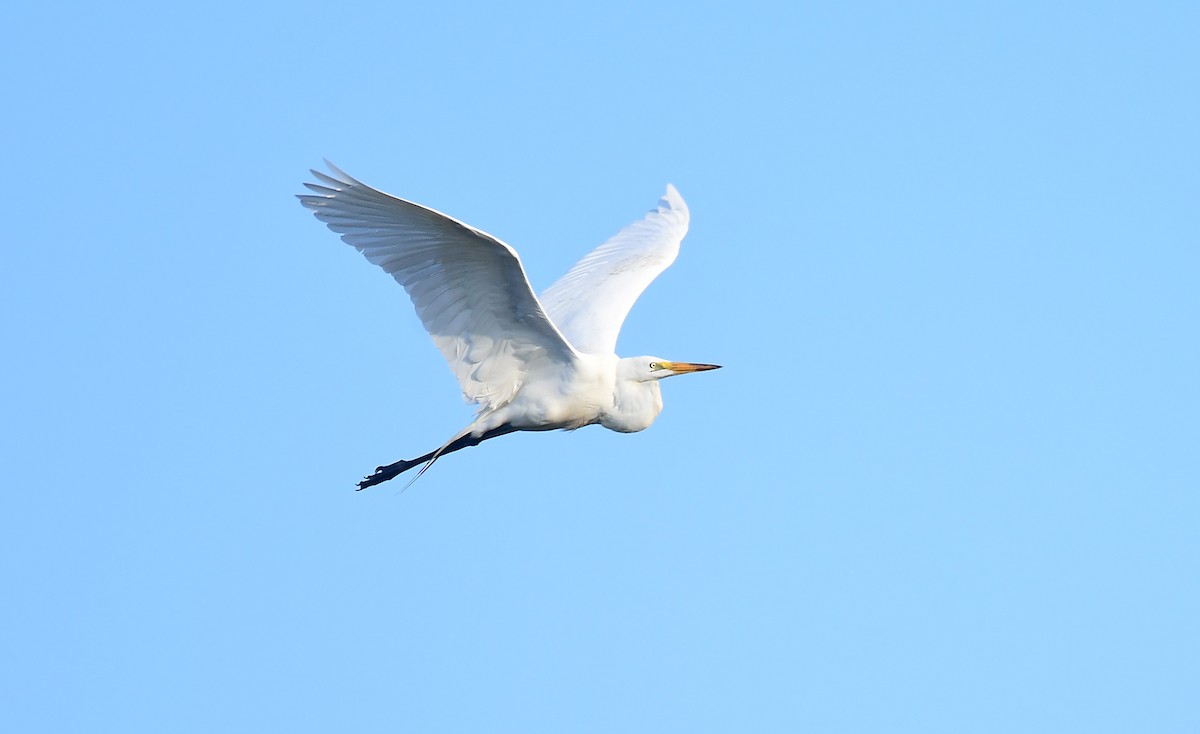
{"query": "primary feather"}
(468, 287)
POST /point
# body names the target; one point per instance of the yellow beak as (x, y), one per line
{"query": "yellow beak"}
(680, 368)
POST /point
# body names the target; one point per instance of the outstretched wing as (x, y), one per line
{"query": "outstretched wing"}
(591, 301)
(468, 287)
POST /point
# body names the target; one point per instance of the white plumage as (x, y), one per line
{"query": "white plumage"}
(591, 301)
(528, 363)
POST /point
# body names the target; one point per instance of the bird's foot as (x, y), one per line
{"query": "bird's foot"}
(384, 473)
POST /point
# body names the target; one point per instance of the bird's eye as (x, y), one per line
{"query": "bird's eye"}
(654, 365)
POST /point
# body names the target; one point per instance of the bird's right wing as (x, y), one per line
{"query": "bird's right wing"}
(468, 287)
(591, 301)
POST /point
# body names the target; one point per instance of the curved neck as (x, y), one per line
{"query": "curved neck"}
(635, 405)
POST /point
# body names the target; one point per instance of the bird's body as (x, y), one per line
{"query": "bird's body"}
(594, 388)
(530, 364)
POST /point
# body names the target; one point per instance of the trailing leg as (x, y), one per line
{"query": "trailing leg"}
(384, 473)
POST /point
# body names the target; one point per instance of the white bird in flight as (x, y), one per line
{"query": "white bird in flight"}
(529, 363)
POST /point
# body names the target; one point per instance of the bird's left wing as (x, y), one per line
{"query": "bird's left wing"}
(591, 301)
(468, 287)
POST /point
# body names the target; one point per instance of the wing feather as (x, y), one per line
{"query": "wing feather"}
(591, 301)
(469, 288)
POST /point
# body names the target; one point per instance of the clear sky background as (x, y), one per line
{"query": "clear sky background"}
(948, 253)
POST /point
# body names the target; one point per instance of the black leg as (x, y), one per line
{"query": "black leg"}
(384, 473)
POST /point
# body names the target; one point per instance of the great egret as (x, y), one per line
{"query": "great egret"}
(530, 364)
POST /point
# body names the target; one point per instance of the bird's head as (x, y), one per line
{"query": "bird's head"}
(645, 369)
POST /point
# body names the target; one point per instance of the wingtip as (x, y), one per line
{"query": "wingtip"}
(672, 200)
(338, 176)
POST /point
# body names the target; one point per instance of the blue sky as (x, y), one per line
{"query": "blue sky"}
(947, 481)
